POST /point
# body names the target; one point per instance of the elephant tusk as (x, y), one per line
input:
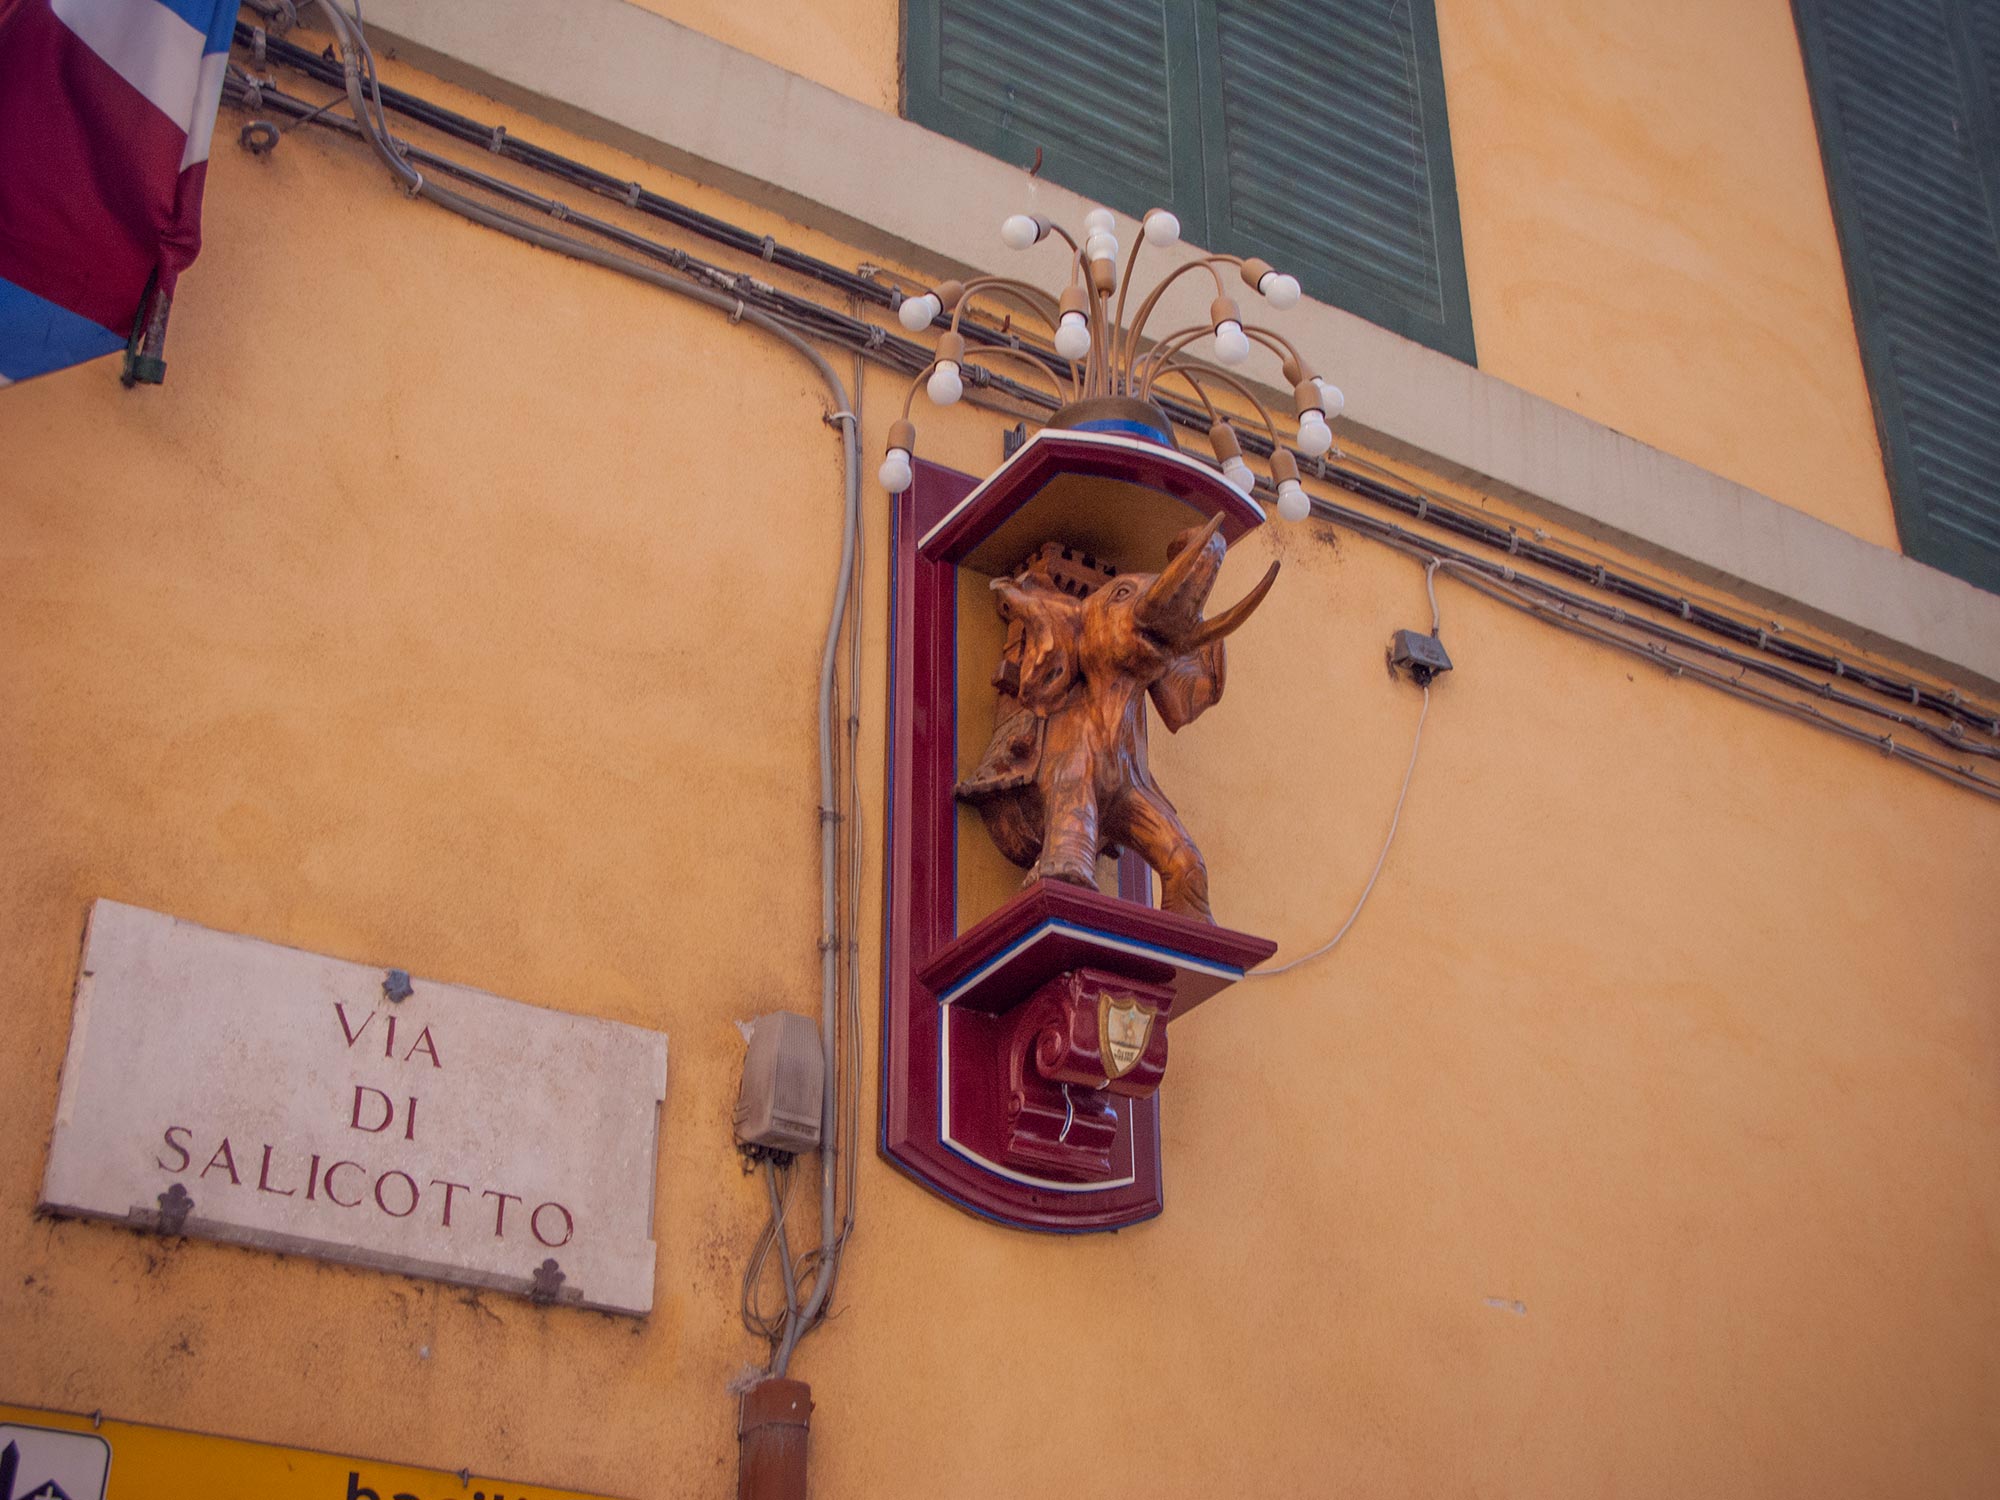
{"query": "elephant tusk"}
(1218, 626)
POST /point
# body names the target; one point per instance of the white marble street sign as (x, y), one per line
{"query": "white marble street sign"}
(265, 1096)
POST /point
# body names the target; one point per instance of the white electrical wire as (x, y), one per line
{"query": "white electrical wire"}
(1381, 859)
(1395, 818)
(358, 68)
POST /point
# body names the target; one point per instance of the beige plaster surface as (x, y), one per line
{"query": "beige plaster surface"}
(457, 602)
(853, 47)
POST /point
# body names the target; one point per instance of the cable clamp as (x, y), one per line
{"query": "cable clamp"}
(1763, 640)
(1601, 575)
(1888, 743)
(558, 211)
(415, 186)
(1839, 667)
(835, 418)
(1507, 573)
(497, 141)
(736, 316)
(632, 191)
(770, 248)
(1916, 699)
(1826, 690)
(1687, 610)
(832, 815)
(1423, 507)
(1618, 616)
(1513, 542)
(1542, 535)
(877, 336)
(257, 43)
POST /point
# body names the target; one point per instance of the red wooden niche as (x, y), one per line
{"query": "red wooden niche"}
(1022, 1055)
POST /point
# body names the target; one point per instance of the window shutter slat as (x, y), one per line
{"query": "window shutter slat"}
(1104, 89)
(1328, 123)
(1903, 97)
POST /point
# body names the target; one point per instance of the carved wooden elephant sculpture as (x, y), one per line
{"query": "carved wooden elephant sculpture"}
(1064, 777)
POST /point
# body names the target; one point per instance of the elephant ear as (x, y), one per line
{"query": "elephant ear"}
(1049, 622)
(1191, 684)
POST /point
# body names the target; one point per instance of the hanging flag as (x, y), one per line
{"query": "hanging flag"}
(106, 109)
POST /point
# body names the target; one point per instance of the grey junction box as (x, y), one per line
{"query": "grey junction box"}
(778, 1103)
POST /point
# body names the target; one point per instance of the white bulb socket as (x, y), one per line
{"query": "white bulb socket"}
(1239, 475)
(916, 313)
(944, 386)
(1315, 437)
(1293, 503)
(1162, 228)
(1019, 231)
(1073, 336)
(1099, 221)
(1332, 399)
(895, 472)
(1280, 290)
(1232, 344)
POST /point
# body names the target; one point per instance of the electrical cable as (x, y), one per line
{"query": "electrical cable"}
(1532, 594)
(884, 347)
(1565, 611)
(1748, 620)
(1395, 818)
(359, 74)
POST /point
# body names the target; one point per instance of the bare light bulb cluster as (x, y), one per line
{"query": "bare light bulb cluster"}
(1109, 356)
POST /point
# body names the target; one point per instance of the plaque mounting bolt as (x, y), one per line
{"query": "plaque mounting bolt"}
(397, 986)
(175, 1205)
(547, 1283)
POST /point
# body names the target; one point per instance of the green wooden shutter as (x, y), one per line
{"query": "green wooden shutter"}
(1330, 156)
(1907, 97)
(1104, 89)
(1310, 132)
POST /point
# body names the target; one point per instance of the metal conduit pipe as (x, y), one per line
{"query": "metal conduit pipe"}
(1432, 510)
(353, 47)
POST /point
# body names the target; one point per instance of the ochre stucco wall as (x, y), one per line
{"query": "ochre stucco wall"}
(1648, 239)
(457, 606)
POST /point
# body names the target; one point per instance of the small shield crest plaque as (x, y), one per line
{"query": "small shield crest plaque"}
(1124, 1026)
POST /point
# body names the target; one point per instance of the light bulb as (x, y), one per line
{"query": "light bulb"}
(1102, 245)
(895, 471)
(944, 386)
(1315, 437)
(1280, 290)
(916, 313)
(1073, 336)
(1238, 474)
(1331, 399)
(1292, 502)
(1232, 344)
(1099, 221)
(1019, 231)
(1162, 228)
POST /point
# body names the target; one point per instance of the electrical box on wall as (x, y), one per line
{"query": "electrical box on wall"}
(778, 1103)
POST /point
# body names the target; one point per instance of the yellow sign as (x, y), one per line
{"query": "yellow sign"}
(46, 1455)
